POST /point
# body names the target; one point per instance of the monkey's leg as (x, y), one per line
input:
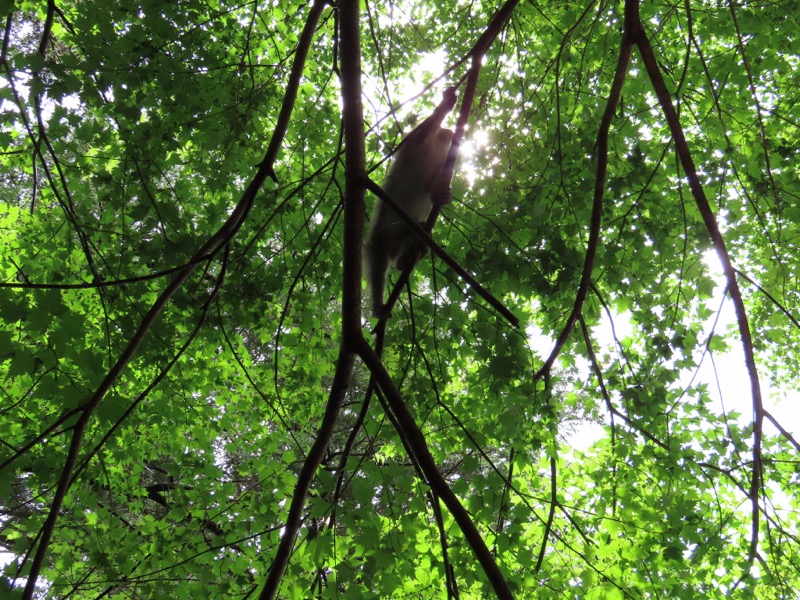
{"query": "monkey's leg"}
(414, 249)
(378, 265)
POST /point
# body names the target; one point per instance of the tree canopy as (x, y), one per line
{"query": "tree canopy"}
(195, 403)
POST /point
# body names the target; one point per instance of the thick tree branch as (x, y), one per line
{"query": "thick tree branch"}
(353, 119)
(435, 479)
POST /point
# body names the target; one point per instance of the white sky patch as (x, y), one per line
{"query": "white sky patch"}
(734, 387)
(471, 147)
(725, 373)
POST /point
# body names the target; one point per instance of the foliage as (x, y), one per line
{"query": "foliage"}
(129, 134)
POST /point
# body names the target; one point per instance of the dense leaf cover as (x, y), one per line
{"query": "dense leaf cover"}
(151, 444)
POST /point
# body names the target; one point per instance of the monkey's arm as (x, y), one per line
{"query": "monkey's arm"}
(431, 125)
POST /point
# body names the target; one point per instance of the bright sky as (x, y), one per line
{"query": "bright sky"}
(729, 385)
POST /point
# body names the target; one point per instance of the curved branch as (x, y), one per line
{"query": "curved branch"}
(685, 155)
(303, 45)
(614, 94)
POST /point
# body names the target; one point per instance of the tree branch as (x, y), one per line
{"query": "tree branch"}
(353, 119)
(442, 254)
(217, 241)
(435, 479)
(597, 204)
(685, 155)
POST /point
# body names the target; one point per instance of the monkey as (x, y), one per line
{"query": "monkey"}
(412, 177)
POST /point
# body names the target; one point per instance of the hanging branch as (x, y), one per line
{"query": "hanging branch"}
(638, 37)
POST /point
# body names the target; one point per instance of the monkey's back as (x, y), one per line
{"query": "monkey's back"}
(409, 182)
